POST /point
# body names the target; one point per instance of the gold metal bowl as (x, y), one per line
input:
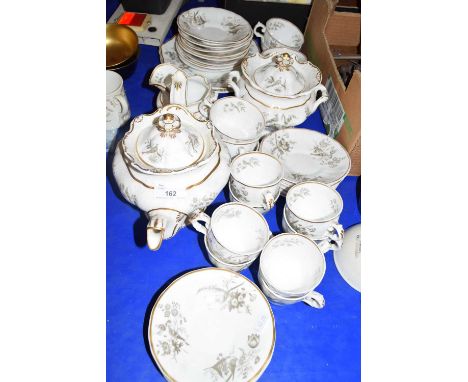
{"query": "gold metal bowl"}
(121, 45)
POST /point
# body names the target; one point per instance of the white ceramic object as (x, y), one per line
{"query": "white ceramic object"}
(117, 109)
(283, 88)
(170, 166)
(348, 258)
(325, 244)
(235, 233)
(313, 209)
(279, 33)
(235, 149)
(300, 57)
(292, 266)
(176, 87)
(255, 179)
(233, 199)
(217, 262)
(308, 155)
(212, 325)
(217, 78)
(236, 120)
(214, 25)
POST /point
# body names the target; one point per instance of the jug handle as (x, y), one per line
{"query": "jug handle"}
(178, 93)
(154, 233)
(234, 78)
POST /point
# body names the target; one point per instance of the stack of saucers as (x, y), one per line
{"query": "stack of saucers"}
(212, 39)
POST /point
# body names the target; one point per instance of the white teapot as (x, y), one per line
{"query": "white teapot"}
(282, 86)
(170, 166)
(178, 88)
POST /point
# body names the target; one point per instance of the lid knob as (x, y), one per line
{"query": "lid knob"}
(284, 61)
(168, 125)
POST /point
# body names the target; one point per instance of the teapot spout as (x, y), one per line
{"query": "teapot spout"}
(155, 232)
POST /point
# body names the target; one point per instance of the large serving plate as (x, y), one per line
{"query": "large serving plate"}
(308, 155)
(217, 78)
(348, 257)
(214, 25)
(212, 325)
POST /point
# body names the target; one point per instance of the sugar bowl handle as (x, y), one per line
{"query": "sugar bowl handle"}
(261, 30)
(202, 217)
(315, 300)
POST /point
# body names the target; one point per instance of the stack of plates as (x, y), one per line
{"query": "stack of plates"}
(212, 39)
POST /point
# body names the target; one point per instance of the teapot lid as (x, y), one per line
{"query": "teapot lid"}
(279, 76)
(167, 145)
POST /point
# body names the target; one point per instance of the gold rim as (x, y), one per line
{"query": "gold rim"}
(209, 174)
(277, 107)
(270, 353)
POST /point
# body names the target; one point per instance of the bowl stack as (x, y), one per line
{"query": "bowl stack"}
(212, 39)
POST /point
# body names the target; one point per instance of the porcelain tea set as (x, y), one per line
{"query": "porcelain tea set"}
(173, 163)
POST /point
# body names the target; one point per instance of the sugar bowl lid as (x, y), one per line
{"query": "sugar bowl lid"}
(168, 145)
(279, 76)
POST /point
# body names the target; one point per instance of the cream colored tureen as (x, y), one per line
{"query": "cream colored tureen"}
(170, 166)
(284, 88)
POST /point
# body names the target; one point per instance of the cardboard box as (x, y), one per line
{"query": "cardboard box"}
(327, 33)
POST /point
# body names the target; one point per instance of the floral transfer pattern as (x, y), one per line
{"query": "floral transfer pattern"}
(240, 192)
(173, 336)
(299, 226)
(299, 193)
(238, 106)
(230, 295)
(200, 203)
(238, 364)
(245, 163)
(283, 145)
(325, 151)
(286, 242)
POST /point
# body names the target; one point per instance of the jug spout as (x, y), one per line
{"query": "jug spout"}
(161, 76)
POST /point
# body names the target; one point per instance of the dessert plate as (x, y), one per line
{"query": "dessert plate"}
(217, 78)
(308, 155)
(212, 324)
(214, 25)
(348, 257)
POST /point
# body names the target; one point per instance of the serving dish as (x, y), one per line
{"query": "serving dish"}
(211, 325)
(308, 155)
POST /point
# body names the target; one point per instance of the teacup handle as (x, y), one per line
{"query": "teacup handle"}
(333, 243)
(262, 29)
(336, 232)
(315, 300)
(198, 226)
(122, 101)
(319, 101)
(268, 200)
(234, 78)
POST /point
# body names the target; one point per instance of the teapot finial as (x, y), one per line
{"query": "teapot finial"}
(168, 124)
(284, 61)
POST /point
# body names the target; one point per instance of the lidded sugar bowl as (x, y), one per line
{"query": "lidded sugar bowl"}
(282, 86)
(170, 166)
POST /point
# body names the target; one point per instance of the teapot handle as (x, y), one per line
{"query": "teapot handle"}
(155, 233)
(178, 93)
(234, 78)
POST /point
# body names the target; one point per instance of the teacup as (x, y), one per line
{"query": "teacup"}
(279, 33)
(235, 233)
(233, 198)
(255, 179)
(313, 209)
(238, 123)
(117, 109)
(221, 264)
(325, 244)
(313, 299)
(292, 266)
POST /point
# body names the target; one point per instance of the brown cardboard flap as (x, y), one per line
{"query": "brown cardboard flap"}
(344, 28)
